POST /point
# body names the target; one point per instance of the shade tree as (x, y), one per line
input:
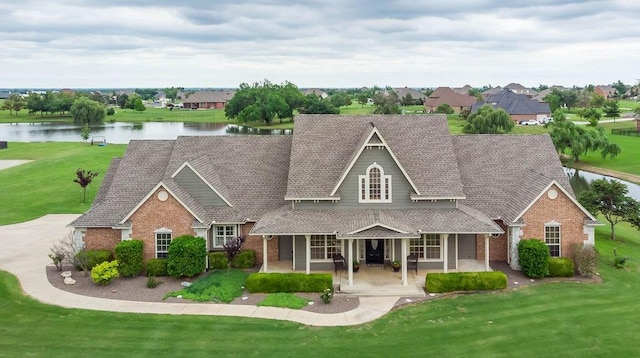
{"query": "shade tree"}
(488, 120)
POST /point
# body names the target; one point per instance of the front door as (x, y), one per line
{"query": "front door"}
(285, 248)
(374, 251)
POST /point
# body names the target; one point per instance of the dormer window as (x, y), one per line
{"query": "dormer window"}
(375, 186)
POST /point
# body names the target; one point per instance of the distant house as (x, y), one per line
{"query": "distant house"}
(318, 92)
(607, 92)
(462, 90)
(445, 95)
(417, 96)
(520, 89)
(519, 106)
(4, 94)
(542, 94)
(491, 91)
(209, 99)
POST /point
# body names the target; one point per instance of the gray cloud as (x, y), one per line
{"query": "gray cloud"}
(318, 43)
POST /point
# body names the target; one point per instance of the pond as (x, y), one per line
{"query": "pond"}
(122, 132)
(580, 181)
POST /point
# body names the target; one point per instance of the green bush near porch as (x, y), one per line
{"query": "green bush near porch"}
(465, 281)
(561, 267)
(245, 259)
(288, 282)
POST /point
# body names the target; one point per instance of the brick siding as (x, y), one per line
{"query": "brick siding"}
(561, 210)
(254, 242)
(101, 238)
(497, 245)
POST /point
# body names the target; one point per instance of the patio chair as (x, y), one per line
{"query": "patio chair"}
(412, 262)
(339, 263)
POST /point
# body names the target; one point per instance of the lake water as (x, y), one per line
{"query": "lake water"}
(580, 181)
(122, 132)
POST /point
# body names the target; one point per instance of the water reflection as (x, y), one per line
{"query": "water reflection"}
(123, 132)
(580, 181)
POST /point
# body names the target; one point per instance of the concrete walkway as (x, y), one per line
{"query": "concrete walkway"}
(25, 247)
(4, 164)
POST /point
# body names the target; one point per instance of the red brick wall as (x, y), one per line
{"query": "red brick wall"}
(561, 210)
(497, 245)
(155, 214)
(254, 242)
(522, 117)
(102, 238)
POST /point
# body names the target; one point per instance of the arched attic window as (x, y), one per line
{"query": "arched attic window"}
(375, 186)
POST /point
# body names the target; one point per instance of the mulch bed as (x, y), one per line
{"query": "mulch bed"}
(135, 289)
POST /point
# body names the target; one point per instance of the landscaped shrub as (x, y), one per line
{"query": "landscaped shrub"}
(586, 258)
(245, 259)
(152, 282)
(91, 258)
(534, 257)
(187, 256)
(288, 282)
(217, 260)
(111, 111)
(560, 267)
(465, 281)
(129, 254)
(157, 267)
(105, 272)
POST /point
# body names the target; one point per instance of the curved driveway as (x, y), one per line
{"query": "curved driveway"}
(25, 247)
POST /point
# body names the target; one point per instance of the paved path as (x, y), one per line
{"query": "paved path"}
(25, 247)
(4, 164)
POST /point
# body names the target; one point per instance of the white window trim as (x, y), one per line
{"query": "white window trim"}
(325, 247)
(559, 244)
(423, 237)
(384, 180)
(225, 237)
(161, 231)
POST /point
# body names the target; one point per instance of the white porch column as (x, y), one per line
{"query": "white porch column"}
(264, 253)
(486, 252)
(293, 259)
(308, 253)
(444, 238)
(403, 251)
(350, 258)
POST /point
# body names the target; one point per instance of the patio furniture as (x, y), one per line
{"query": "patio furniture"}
(339, 263)
(412, 262)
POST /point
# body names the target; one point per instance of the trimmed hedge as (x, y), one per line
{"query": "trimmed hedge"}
(561, 267)
(157, 267)
(534, 257)
(288, 282)
(93, 257)
(129, 254)
(245, 259)
(465, 281)
(187, 256)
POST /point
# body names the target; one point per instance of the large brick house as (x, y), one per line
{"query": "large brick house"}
(372, 188)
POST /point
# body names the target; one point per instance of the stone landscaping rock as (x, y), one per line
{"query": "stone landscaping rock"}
(68, 280)
(65, 274)
(185, 284)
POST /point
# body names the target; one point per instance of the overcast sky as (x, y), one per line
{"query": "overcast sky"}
(318, 43)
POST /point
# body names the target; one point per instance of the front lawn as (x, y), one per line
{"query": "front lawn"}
(216, 286)
(559, 319)
(45, 186)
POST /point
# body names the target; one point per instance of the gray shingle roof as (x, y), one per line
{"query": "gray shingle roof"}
(518, 168)
(250, 170)
(327, 142)
(514, 103)
(210, 96)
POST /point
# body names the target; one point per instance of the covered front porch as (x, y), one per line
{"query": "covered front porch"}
(380, 280)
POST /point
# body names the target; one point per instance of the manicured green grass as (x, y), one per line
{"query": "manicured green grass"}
(45, 186)
(559, 319)
(627, 161)
(284, 300)
(216, 286)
